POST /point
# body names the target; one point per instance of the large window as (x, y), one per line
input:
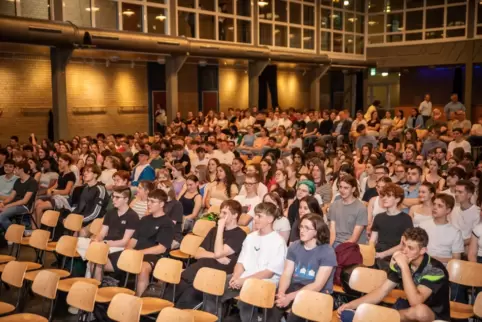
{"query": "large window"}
(478, 18)
(342, 26)
(287, 23)
(222, 20)
(395, 21)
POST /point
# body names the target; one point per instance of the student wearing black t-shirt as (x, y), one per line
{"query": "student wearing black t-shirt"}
(423, 278)
(388, 227)
(390, 141)
(22, 196)
(153, 236)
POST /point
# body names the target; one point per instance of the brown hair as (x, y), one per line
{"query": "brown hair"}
(233, 206)
(94, 168)
(352, 182)
(447, 199)
(417, 234)
(125, 191)
(268, 209)
(322, 231)
(124, 175)
(158, 194)
(393, 189)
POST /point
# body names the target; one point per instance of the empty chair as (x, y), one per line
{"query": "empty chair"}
(258, 293)
(14, 235)
(82, 296)
(467, 274)
(13, 275)
(188, 248)
(375, 313)
(125, 307)
(209, 281)
(202, 227)
(49, 221)
(73, 224)
(313, 306)
(244, 218)
(365, 279)
(174, 315)
(478, 306)
(169, 271)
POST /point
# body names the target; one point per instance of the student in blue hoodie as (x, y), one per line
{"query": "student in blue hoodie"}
(143, 170)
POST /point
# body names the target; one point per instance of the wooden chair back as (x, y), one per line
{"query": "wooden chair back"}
(96, 226)
(190, 244)
(246, 229)
(244, 218)
(125, 308)
(130, 261)
(168, 270)
(375, 313)
(258, 293)
(50, 218)
(97, 253)
(365, 280)
(82, 296)
(465, 272)
(477, 305)
(313, 306)
(73, 222)
(172, 314)
(202, 227)
(45, 284)
(14, 273)
(14, 233)
(67, 246)
(368, 254)
(210, 281)
(39, 239)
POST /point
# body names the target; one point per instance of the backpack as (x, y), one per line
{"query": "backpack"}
(347, 255)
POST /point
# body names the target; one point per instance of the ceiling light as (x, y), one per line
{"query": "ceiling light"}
(128, 13)
(334, 16)
(350, 41)
(262, 3)
(384, 74)
(276, 31)
(352, 19)
(94, 9)
(230, 28)
(292, 35)
(161, 60)
(372, 23)
(346, 3)
(307, 38)
(161, 17)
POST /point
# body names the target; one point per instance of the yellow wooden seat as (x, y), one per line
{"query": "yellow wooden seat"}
(258, 293)
(467, 274)
(313, 306)
(66, 284)
(24, 317)
(6, 258)
(202, 227)
(172, 314)
(461, 311)
(13, 275)
(125, 308)
(14, 235)
(178, 254)
(30, 266)
(201, 316)
(6, 308)
(82, 296)
(30, 276)
(49, 219)
(96, 226)
(152, 305)
(72, 222)
(371, 312)
(188, 248)
(106, 294)
(478, 305)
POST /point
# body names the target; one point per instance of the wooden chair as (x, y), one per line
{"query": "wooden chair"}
(467, 274)
(82, 296)
(67, 247)
(45, 285)
(246, 229)
(49, 220)
(368, 254)
(256, 159)
(130, 261)
(169, 271)
(96, 226)
(174, 315)
(14, 235)
(375, 313)
(258, 293)
(313, 306)
(478, 306)
(13, 275)
(365, 279)
(97, 254)
(189, 246)
(209, 281)
(72, 223)
(202, 227)
(125, 307)
(244, 217)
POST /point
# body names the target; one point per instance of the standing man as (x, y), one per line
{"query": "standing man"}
(453, 106)
(425, 108)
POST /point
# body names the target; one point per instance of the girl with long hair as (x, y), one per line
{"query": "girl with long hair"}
(191, 202)
(282, 224)
(267, 173)
(423, 211)
(433, 175)
(212, 168)
(323, 187)
(307, 205)
(224, 187)
(139, 203)
(361, 159)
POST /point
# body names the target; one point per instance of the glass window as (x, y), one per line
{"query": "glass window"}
(395, 22)
(349, 4)
(225, 6)
(479, 30)
(308, 39)
(414, 4)
(479, 13)
(326, 3)
(186, 24)
(376, 5)
(456, 16)
(77, 12)
(207, 28)
(349, 22)
(431, 3)
(414, 20)
(225, 29)
(360, 24)
(131, 17)
(435, 18)
(105, 12)
(455, 33)
(206, 5)
(360, 5)
(338, 3)
(295, 13)
(434, 34)
(325, 41)
(376, 24)
(414, 36)
(244, 31)
(186, 3)
(337, 42)
(308, 15)
(349, 44)
(456, 1)
(325, 19)
(359, 45)
(243, 8)
(280, 36)
(156, 1)
(375, 39)
(392, 5)
(156, 20)
(38, 9)
(295, 37)
(265, 10)
(265, 34)
(394, 38)
(337, 17)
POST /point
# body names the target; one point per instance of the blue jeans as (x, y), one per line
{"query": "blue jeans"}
(8, 213)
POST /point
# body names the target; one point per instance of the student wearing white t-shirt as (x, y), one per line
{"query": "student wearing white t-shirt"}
(475, 246)
(262, 257)
(444, 240)
(249, 201)
(465, 215)
(458, 142)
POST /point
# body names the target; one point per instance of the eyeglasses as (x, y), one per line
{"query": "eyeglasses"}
(117, 197)
(306, 228)
(152, 201)
(250, 183)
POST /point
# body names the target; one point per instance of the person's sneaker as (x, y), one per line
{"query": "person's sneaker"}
(27, 233)
(10, 243)
(73, 310)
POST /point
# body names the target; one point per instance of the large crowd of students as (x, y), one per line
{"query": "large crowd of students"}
(305, 184)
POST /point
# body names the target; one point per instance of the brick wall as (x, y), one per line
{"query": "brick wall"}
(38, 9)
(233, 88)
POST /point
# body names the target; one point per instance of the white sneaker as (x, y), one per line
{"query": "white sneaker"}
(73, 310)
(27, 233)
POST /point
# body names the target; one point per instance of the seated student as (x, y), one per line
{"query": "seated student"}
(454, 175)
(388, 227)
(219, 250)
(424, 280)
(250, 200)
(153, 236)
(262, 256)
(444, 240)
(310, 265)
(22, 196)
(7, 180)
(143, 170)
(465, 215)
(348, 216)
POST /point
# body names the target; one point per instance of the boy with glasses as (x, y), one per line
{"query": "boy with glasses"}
(250, 200)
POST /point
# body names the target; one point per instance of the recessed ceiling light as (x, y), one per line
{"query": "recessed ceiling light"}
(94, 9)
(262, 3)
(128, 13)
(161, 17)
